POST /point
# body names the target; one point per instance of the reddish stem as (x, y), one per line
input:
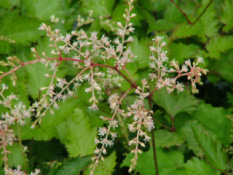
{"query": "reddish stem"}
(132, 83)
(173, 129)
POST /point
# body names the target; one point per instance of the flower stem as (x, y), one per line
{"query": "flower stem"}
(153, 140)
(21, 145)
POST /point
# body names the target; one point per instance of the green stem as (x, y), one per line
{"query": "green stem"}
(173, 129)
(21, 145)
(153, 141)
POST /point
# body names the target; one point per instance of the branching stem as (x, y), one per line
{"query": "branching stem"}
(185, 15)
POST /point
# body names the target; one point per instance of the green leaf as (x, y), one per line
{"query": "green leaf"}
(180, 51)
(215, 120)
(105, 167)
(218, 45)
(184, 30)
(141, 51)
(65, 110)
(174, 103)
(173, 14)
(163, 24)
(79, 134)
(212, 149)
(16, 156)
(189, 138)
(43, 9)
(21, 29)
(168, 161)
(227, 15)
(160, 5)
(37, 79)
(165, 138)
(196, 166)
(223, 68)
(9, 3)
(74, 166)
(208, 23)
(99, 7)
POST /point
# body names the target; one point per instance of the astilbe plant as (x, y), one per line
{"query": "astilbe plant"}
(91, 55)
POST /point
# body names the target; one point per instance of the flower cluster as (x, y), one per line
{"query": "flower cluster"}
(18, 171)
(161, 72)
(142, 118)
(88, 52)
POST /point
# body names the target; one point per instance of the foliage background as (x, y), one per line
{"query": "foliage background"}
(63, 143)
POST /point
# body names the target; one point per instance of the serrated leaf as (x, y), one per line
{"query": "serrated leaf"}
(173, 14)
(43, 9)
(165, 138)
(218, 45)
(227, 15)
(184, 30)
(208, 23)
(80, 135)
(196, 166)
(21, 29)
(180, 51)
(73, 167)
(223, 68)
(168, 161)
(105, 167)
(141, 51)
(212, 149)
(190, 140)
(174, 103)
(215, 120)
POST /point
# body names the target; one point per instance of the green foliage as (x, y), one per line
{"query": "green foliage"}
(215, 120)
(174, 103)
(165, 138)
(223, 69)
(219, 44)
(43, 9)
(226, 16)
(64, 141)
(16, 157)
(181, 51)
(212, 149)
(9, 3)
(102, 7)
(23, 30)
(73, 167)
(106, 167)
(79, 142)
(197, 166)
(168, 161)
